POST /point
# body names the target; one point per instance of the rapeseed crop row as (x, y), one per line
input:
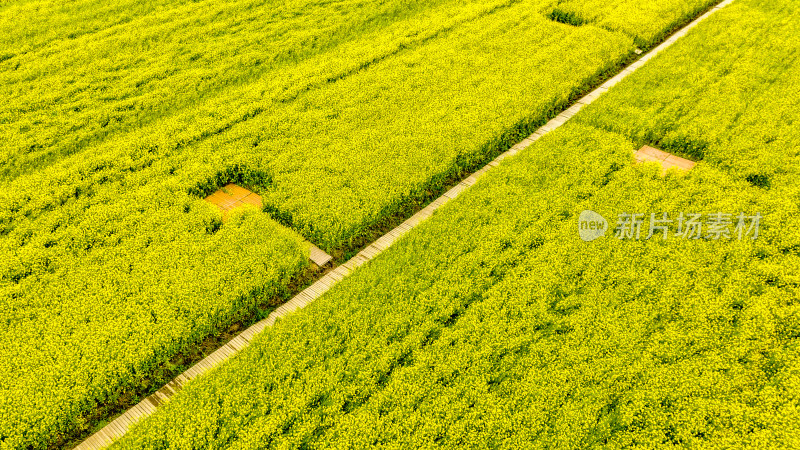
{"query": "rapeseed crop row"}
(494, 324)
(95, 315)
(116, 128)
(647, 21)
(118, 70)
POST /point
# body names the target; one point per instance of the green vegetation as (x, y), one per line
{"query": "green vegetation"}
(116, 127)
(86, 320)
(84, 73)
(492, 324)
(727, 101)
(346, 156)
(647, 21)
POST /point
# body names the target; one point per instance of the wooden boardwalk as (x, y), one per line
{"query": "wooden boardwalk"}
(232, 196)
(119, 426)
(667, 160)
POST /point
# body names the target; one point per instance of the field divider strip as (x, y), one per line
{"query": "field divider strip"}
(119, 426)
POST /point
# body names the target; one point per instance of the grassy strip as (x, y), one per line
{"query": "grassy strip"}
(647, 21)
(493, 324)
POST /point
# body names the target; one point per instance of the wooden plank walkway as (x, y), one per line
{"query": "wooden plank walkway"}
(119, 426)
(233, 196)
(667, 160)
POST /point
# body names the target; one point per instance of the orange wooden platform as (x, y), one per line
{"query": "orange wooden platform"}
(667, 160)
(231, 196)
